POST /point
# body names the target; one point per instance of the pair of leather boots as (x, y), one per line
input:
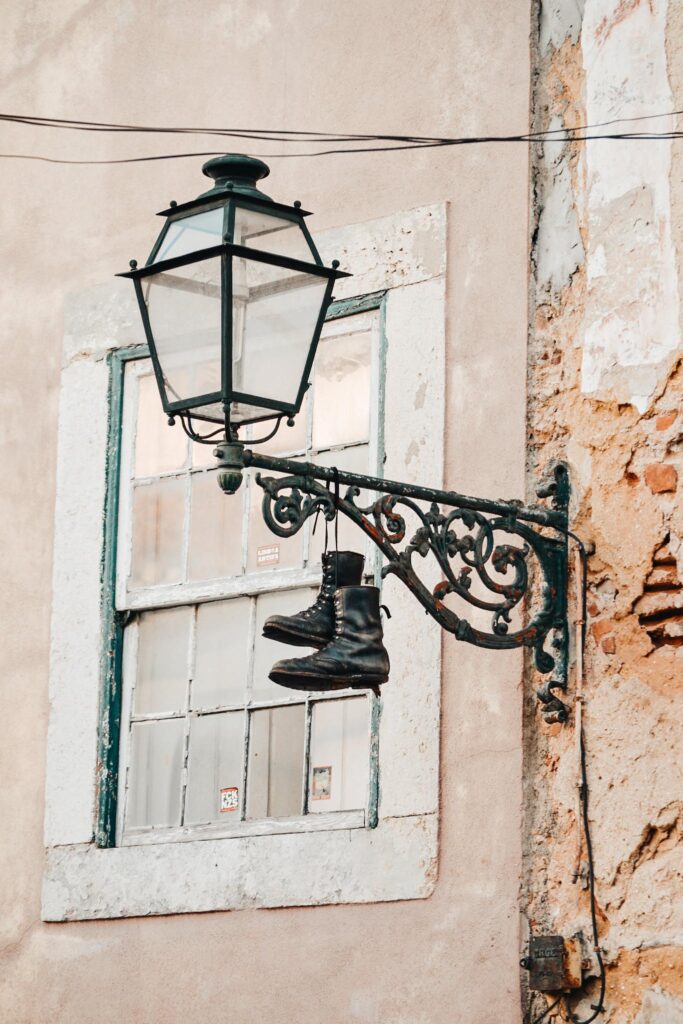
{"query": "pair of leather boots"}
(343, 623)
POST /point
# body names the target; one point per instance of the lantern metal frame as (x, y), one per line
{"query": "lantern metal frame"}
(235, 190)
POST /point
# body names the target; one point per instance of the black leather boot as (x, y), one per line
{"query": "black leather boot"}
(314, 627)
(355, 657)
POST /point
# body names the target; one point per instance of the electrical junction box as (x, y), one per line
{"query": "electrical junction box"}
(554, 963)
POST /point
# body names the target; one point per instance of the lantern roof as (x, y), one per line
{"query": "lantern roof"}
(235, 174)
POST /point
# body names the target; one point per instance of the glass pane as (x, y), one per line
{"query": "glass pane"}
(288, 439)
(159, 448)
(161, 682)
(351, 538)
(276, 762)
(266, 550)
(184, 307)
(215, 529)
(339, 765)
(271, 234)
(214, 768)
(158, 514)
(341, 397)
(267, 652)
(220, 670)
(275, 313)
(202, 454)
(189, 234)
(154, 776)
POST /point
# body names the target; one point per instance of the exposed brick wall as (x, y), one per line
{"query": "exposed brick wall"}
(616, 416)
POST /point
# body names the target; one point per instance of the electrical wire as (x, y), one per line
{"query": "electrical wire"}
(387, 142)
(599, 1006)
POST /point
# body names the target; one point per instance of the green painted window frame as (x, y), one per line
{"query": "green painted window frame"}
(114, 621)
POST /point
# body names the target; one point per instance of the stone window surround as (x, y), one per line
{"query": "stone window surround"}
(404, 254)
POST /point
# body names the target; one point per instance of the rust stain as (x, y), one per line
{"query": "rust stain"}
(623, 10)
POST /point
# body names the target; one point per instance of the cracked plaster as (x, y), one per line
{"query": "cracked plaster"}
(605, 393)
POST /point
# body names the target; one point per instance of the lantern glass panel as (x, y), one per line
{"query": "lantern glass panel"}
(189, 234)
(275, 314)
(283, 237)
(184, 306)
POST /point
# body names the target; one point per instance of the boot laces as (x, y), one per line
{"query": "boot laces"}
(326, 594)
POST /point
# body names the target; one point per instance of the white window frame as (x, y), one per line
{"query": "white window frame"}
(404, 255)
(364, 315)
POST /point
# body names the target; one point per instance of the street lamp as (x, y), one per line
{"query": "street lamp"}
(233, 298)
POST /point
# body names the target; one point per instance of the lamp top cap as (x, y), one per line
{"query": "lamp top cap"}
(236, 172)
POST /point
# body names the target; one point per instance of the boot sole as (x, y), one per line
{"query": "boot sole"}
(301, 681)
(283, 636)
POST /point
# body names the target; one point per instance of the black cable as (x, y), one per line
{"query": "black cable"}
(598, 1007)
(396, 142)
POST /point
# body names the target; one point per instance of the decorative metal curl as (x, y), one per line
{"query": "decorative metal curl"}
(470, 540)
(467, 544)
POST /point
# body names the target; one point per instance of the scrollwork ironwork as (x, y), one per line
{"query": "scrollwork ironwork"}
(474, 551)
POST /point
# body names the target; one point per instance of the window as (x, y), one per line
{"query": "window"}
(312, 859)
(208, 744)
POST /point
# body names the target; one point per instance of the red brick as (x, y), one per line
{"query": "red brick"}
(609, 645)
(664, 421)
(661, 477)
(601, 628)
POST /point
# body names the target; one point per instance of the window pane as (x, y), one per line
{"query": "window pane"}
(287, 439)
(339, 763)
(158, 514)
(202, 454)
(214, 768)
(154, 779)
(276, 762)
(184, 307)
(341, 397)
(271, 234)
(275, 312)
(161, 683)
(267, 652)
(215, 529)
(220, 671)
(159, 448)
(267, 550)
(351, 538)
(189, 234)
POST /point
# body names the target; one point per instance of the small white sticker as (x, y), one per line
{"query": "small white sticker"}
(268, 554)
(229, 799)
(321, 783)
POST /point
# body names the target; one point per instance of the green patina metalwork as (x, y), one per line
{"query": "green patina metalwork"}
(112, 620)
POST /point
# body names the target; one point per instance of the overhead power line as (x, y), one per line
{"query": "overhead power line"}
(340, 143)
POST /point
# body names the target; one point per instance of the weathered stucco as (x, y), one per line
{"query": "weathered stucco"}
(605, 390)
(289, 64)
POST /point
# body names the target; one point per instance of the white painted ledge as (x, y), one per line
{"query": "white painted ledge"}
(396, 861)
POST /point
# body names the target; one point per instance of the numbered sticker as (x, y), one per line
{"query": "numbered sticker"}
(268, 554)
(229, 799)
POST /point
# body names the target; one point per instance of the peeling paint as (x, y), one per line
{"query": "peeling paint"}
(605, 387)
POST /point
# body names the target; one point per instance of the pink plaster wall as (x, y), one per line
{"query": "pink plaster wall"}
(442, 67)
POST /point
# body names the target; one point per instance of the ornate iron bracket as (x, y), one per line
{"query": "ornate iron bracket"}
(468, 537)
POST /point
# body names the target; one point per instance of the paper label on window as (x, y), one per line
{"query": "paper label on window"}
(229, 799)
(321, 783)
(268, 554)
